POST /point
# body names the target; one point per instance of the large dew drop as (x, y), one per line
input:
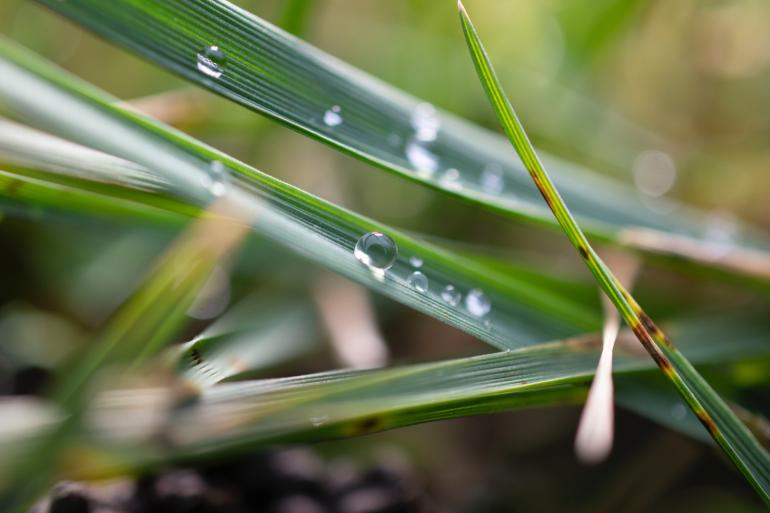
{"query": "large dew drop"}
(477, 303)
(211, 61)
(418, 281)
(451, 295)
(332, 117)
(376, 251)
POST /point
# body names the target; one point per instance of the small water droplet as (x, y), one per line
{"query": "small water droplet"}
(423, 160)
(451, 295)
(654, 173)
(211, 61)
(332, 117)
(426, 122)
(415, 261)
(215, 179)
(419, 281)
(492, 180)
(451, 178)
(376, 251)
(477, 303)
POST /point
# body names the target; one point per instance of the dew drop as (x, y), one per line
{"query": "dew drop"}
(419, 281)
(492, 180)
(423, 160)
(426, 122)
(451, 295)
(332, 117)
(215, 179)
(477, 303)
(211, 61)
(654, 173)
(415, 261)
(451, 178)
(376, 251)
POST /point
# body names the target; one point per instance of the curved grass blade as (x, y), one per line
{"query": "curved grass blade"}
(269, 71)
(726, 429)
(347, 403)
(520, 313)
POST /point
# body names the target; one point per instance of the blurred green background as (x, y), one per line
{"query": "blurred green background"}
(612, 84)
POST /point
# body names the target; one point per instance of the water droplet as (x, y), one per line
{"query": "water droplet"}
(423, 160)
(376, 251)
(332, 116)
(477, 303)
(415, 261)
(426, 122)
(215, 179)
(419, 281)
(211, 61)
(654, 173)
(451, 295)
(451, 179)
(492, 180)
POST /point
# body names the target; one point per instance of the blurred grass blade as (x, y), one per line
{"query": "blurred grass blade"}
(265, 69)
(726, 429)
(595, 429)
(259, 332)
(520, 313)
(346, 403)
(146, 322)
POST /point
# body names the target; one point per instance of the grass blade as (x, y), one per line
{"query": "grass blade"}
(522, 313)
(726, 429)
(295, 84)
(345, 403)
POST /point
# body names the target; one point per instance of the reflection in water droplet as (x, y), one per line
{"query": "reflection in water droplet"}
(451, 295)
(492, 180)
(423, 160)
(654, 173)
(451, 179)
(477, 303)
(211, 61)
(332, 117)
(415, 261)
(419, 281)
(215, 179)
(426, 122)
(376, 251)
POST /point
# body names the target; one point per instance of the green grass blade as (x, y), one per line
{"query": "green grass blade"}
(294, 83)
(346, 403)
(726, 429)
(521, 313)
